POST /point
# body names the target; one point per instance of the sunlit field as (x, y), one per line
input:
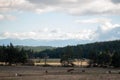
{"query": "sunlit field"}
(57, 73)
(56, 62)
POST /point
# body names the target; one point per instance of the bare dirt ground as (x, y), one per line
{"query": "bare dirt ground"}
(57, 73)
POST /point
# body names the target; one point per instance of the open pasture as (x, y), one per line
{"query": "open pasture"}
(57, 73)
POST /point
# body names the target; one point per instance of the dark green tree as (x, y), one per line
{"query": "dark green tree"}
(12, 55)
(116, 59)
(22, 56)
(67, 56)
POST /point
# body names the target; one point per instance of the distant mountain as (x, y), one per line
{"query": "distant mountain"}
(32, 42)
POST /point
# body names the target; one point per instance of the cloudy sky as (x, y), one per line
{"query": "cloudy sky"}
(91, 20)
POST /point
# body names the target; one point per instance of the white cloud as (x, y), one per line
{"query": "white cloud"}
(106, 24)
(1, 17)
(47, 34)
(93, 21)
(7, 17)
(74, 7)
(15, 5)
(112, 34)
(106, 31)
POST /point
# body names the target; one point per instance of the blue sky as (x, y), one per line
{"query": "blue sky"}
(91, 20)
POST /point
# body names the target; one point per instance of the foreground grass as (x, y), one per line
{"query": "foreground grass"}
(56, 73)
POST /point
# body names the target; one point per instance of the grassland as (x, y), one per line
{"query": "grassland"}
(57, 73)
(56, 62)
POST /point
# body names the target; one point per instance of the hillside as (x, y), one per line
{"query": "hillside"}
(101, 54)
(104, 54)
(36, 48)
(85, 49)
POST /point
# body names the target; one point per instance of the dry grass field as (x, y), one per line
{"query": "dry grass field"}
(56, 62)
(57, 73)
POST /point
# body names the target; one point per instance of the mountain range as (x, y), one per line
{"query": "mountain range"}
(32, 42)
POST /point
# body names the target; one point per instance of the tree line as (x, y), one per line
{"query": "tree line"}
(102, 54)
(12, 55)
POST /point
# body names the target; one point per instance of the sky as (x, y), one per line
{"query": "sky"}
(89, 20)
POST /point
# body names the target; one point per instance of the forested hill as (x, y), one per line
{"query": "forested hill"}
(100, 53)
(36, 48)
(84, 50)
